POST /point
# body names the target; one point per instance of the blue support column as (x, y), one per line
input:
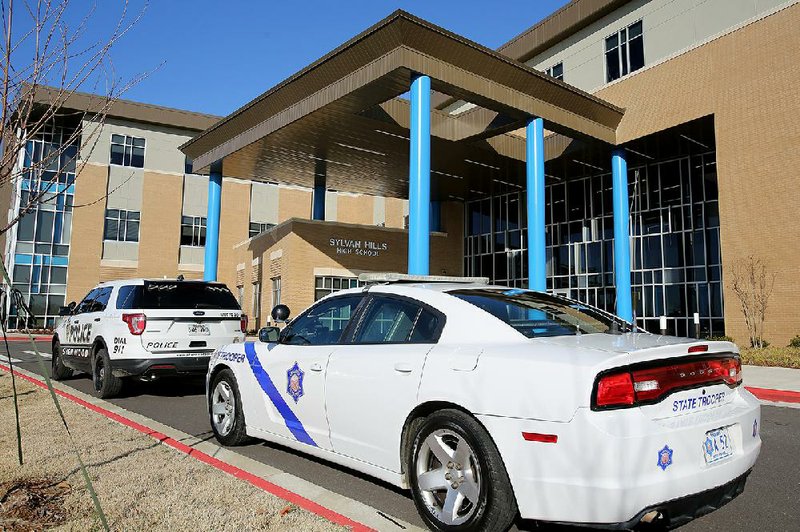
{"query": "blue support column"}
(212, 223)
(534, 156)
(318, 199)
(419, 178)
(436, 216)
(622, 240)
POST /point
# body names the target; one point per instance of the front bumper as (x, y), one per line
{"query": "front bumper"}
(152, 368)
(604, 469)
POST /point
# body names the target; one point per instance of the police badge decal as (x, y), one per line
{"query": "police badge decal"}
(294, 382)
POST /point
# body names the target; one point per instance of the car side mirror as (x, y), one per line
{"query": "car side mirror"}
(68, 310)
(269, 335)
(280, 314)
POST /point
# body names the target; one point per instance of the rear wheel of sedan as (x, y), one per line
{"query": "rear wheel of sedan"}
(225, 409)
(457, 477)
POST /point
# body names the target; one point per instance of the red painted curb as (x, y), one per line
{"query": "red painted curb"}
(274, 489)
(26, 339)
(782, 396)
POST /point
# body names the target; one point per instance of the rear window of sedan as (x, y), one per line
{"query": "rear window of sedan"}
(536, 314)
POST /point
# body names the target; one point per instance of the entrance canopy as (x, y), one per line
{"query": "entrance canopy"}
(343, 117)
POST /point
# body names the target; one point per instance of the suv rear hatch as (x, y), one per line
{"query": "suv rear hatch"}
(188, 316)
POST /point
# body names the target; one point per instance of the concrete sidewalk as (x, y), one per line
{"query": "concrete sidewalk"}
(772, 378)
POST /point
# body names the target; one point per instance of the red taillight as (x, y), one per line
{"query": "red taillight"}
(136, 323)
(243, 323)
(651, 384)
(615, 389)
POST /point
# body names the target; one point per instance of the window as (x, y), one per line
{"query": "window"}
(395, 321)
(129, 297)
(322, 324)
(624, 52)
(121, 225)
(193, 231)
(187, 295)
(325, 285)
(188, 165)
(276, 291)
(127, 151)
(556, 71)
(95, 301)
(256, 228)
(535, 314)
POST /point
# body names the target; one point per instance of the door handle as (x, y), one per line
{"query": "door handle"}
(316, 366)
(97, 319)
(402, 367)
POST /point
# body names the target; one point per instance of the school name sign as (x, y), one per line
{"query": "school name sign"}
(363, 248)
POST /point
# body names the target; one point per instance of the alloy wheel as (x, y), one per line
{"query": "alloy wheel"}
(223, 408)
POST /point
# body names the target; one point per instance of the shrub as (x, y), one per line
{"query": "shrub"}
(720, 339)
(795, 342)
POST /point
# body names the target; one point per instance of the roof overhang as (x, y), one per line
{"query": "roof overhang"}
(346, 102)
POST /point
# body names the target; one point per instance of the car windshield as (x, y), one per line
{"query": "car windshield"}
(186, 295)
(536, 314)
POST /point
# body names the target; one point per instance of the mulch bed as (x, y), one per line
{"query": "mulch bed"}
(32, 504)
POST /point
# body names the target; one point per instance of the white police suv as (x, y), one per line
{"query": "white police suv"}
(491, 402)
(146, 329)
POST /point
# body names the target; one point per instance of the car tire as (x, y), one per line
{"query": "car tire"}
(106, 384)
(225, 410)
(58, 371)
(457, 477)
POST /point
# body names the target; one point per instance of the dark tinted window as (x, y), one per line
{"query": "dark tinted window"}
(388, 321)
(536, 314)
(86, 302)
(187, 295)
(129, 297)
(323, 324)
(101, 299)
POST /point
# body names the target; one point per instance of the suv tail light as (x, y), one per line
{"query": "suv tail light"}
(647, 384)
(243, 323)
(136, 323)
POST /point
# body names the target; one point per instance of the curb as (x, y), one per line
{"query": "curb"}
(26, 339)
(778, 396)
(265, 485)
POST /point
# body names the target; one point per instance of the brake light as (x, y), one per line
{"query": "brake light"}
(646, 385)
(136, 323)
(698, 349)
(615, 389)
(243, 323)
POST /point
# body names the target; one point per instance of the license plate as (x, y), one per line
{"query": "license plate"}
(718, 445)
(198, 329)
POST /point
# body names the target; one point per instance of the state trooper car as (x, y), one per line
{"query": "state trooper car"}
(490, 402)
(146, 329)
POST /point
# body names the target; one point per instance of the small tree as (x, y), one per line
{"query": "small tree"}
(753, 284)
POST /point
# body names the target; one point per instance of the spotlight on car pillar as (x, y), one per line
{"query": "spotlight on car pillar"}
(280, 313)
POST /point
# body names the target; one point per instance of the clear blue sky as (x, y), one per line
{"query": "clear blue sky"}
(219, 54)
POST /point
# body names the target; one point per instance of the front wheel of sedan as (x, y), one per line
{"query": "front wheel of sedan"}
(225, 409)
(457, 477)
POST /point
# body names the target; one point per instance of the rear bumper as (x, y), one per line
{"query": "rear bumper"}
(161, 367)
(604, 469)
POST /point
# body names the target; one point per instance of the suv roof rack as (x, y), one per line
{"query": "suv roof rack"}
(391, 277)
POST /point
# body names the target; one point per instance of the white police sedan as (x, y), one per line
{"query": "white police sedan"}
(489, 403)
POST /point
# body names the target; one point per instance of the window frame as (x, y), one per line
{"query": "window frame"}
(549, 71)
(124, 223)
(367, 305)
(125, 146)
(199, 229)
(346, 332)
(263, 227)
(618, 52)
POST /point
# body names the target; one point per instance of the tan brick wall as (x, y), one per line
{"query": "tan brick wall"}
(294, 203)
(394, 213)
(749, 81)
(160, 230)
(354, 209)
(88, 218)
(234, 227)
(305, 245)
